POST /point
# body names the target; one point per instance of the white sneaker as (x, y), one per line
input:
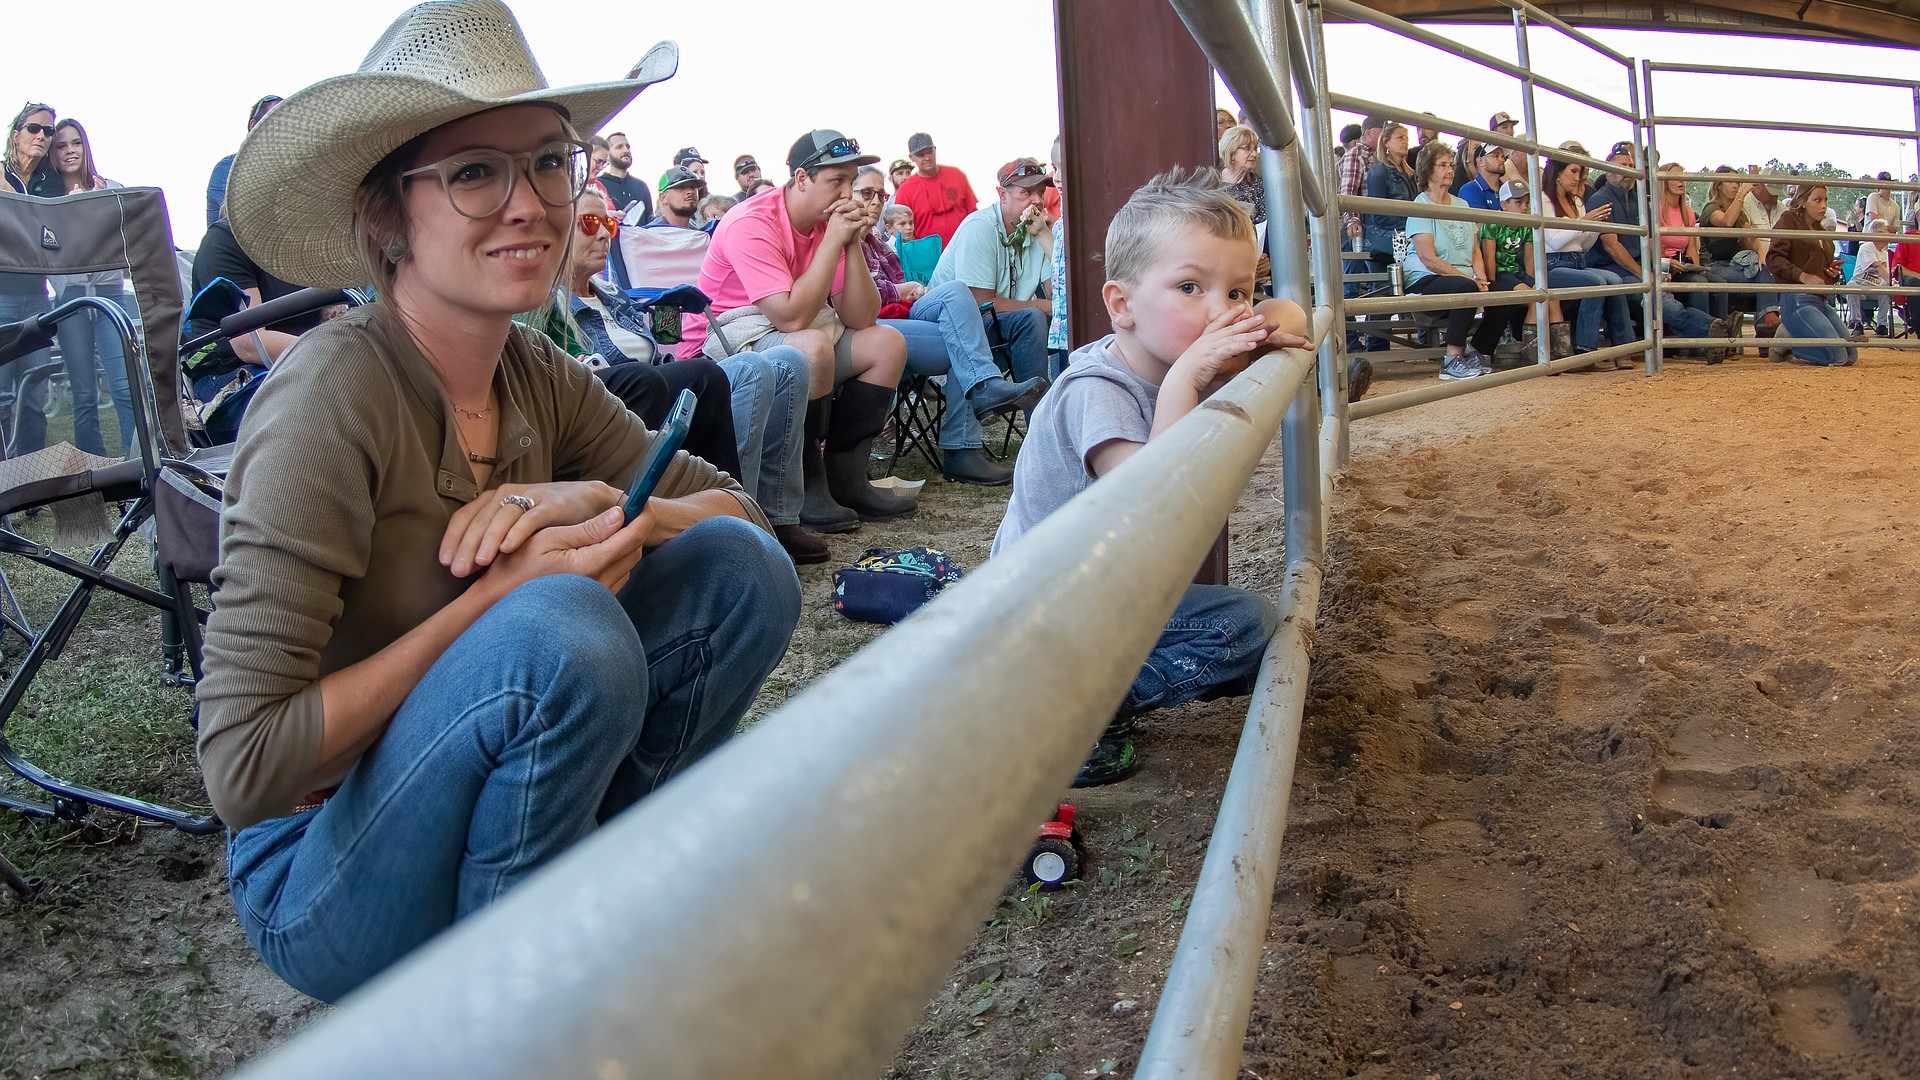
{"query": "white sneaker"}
(1459, 367)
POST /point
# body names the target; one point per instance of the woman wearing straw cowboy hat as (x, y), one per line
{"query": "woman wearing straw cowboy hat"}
(439, 658)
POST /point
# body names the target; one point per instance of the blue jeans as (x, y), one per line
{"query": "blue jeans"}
(1807, 315)
(1210, 648)
(1025, 333)
(25, 415)
(559, 708)
(1735, 273)
(1684, 321)
(1569, 270)
(948, 336)
(769, 420)
(89, 343)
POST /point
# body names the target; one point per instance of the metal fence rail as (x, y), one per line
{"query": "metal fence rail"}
(854, 839)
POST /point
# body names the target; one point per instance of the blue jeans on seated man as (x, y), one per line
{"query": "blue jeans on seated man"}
(1211, 648)
(947, 336)
(769, 389)
(563, 705)
(1807, 315)
(1741, 271)
(1025, 334)
(1682, 320)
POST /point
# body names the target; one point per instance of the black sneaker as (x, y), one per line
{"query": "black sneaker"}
(1113, 760)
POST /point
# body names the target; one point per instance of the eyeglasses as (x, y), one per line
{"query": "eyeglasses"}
(867, 193)
(36, 129)
(479, 182)
(593, 223)
(841, 147)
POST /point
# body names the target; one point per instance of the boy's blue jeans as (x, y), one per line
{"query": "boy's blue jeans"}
(559, 708)
(1211, 648)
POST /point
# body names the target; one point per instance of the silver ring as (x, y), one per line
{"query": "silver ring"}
(520, 501)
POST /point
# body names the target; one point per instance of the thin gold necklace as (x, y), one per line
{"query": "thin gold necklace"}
(460, 436)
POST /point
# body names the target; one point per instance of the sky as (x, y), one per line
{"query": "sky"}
(163, 86)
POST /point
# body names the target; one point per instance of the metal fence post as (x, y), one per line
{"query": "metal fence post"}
(1329, 264)
(1535, 173)
(1651, 200)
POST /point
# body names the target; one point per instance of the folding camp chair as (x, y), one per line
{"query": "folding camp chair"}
(167, 483)
(918, 257)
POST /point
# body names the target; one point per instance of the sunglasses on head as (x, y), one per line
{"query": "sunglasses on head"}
(1025, 171)
(591, 224)
(838, 148)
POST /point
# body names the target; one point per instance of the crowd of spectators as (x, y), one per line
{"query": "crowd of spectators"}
(1379, 158)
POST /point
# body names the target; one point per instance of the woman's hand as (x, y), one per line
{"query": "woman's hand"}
(496, 523)
(1601, 212)
(600, 548)
(910, 291)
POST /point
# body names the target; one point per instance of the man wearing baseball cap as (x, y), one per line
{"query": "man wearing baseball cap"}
(679, 198)
(939, 195)
(775, 263)
(745, 171)
(999, 252)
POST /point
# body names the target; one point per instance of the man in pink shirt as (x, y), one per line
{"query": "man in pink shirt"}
(777, 273)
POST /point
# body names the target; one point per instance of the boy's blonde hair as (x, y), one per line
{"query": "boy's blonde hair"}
(1164, 206)
(896, 213)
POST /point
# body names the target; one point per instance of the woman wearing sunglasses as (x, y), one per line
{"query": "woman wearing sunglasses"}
(753, 401)
(89, 345)
(440, 656)
(29, 172)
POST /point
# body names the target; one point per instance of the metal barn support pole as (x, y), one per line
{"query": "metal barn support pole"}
(1536, 173)
(787, 906)
(1652, 198)
(1121, 132)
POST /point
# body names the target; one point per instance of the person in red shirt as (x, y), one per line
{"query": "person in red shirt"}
(939, 195)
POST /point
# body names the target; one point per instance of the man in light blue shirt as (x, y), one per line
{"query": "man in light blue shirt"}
(997, 252)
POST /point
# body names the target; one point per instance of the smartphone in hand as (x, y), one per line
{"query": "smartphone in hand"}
(666, 443)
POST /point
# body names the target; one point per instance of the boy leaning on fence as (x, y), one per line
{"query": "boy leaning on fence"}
(1181, 254)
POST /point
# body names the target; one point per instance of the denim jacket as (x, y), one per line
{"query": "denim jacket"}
(1385, 182)
(624, 311)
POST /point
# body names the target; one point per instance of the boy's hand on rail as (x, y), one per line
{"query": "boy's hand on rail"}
(497, 524)
(1223, 349)
(599, 548)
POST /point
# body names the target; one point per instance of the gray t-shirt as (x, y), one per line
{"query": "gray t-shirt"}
(1095, 400)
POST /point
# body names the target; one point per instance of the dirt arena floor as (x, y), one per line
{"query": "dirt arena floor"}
(1609, 771)
(1610, 768)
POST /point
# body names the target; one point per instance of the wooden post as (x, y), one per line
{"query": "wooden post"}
(1136, 99)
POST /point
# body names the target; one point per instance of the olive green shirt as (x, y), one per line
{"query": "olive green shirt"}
(346, 474)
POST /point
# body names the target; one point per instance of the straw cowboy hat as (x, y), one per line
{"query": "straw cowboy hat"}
(290, 196)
